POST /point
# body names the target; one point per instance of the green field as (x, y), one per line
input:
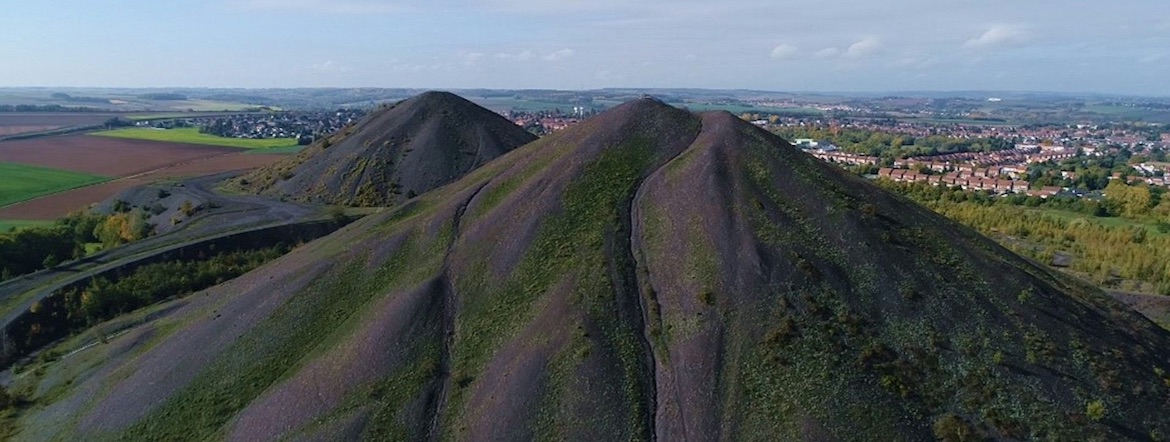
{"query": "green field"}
(19, 182)
(7, 225)
(193, 136)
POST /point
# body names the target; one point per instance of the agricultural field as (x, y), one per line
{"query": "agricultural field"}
(20, 182)
(128, 162)
(191, 135)
(61, 204)
(107, 156)
(15, 123)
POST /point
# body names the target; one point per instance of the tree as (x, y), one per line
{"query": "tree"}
(1132, 201)
(121, 228)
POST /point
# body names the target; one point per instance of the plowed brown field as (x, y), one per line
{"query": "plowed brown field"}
(103, 155)
(134, 162)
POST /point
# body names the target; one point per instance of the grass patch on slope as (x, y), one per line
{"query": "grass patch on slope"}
(570, 244)
(287, 339)
(19, 182)
(191, 135)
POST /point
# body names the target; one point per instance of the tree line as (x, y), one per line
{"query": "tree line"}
(892, 146)
(105, 297)
(30, 249)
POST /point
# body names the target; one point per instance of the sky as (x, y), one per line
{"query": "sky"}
(1120, 46)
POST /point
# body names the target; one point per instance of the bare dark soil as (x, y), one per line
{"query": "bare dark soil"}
(393, 154)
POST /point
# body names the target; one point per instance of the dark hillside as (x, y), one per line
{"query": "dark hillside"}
(648, 273)
(393, 154)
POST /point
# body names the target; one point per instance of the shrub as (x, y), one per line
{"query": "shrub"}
(707, 298)
(953, 428)
(1095, 410)
(6, 399)
(187, 208)
(869, 210)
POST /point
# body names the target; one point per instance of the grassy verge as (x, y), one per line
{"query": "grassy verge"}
(7, 225)
(19, 182)
(192, 135)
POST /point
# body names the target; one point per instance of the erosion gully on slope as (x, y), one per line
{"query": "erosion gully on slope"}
(449, 308)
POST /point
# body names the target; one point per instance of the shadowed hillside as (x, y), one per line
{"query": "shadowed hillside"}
(648, 273)
(393, 154)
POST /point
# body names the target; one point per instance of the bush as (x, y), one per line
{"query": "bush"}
(1095, 410)
(6, 399)
(953, 428)
(187, 208)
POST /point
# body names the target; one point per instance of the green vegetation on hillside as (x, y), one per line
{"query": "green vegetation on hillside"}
(104, 298)
(568, 243)
(192, 135)
(19, 182)
(327, 309)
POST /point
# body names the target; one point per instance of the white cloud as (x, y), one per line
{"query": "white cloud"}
(863, 48)
(519, 56)
(471, 58)
(560, 55)
(784, 51)
(330, 67)
(996, 36)
(827, 53)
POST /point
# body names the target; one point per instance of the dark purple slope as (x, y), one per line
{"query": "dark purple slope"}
(393, 154)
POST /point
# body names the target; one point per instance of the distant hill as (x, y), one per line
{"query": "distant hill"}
(648, 273)
(393, 154)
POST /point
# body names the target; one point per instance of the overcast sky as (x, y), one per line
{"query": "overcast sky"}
(1120, 46)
